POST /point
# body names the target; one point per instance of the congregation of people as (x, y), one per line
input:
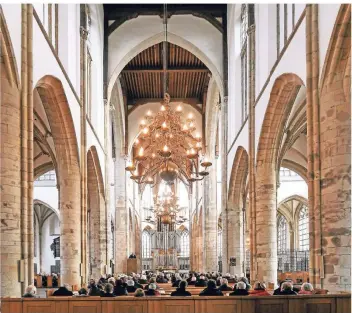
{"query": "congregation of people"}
(141, 285)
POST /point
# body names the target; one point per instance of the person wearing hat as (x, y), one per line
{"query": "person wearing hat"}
(130, 286)
(152, 290)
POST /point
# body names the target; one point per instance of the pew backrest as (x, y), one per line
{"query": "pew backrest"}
(339, 303)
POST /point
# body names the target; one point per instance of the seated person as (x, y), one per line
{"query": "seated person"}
(132, 256)
(181, 290)
(277, 291)
(201, 282)
(245, 280)
(240, 290)
(218, 281)
(259, 290)
(287, 289)
(143, 280)
(108, 291)
(83, 292)
(31, 292)
(151, 281)
(152, 290)
(111, 281)
(119, 289)
(306, 289)
(211, 290)
(55, 280)
(139, 293)
(161, 279)
(225, 285)
(63, 291)
(192, 281)
(177, 281)
(94, 291)
(130, 286)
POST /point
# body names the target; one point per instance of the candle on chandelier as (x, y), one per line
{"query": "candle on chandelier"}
(143, 122)
(145, 130)
(179, 108)
(149, 113)
(141, 151)
(185, 127)
(136, 141)
(190, 116)
(163, 125)
(162, 108)
(191, 124)
(166, 148)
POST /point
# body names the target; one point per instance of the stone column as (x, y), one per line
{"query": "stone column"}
(265, 227)
(30, 161)
(332, 123)
(211, 222)
(83, 143)
(121, 217)
(251, 148)
(10, 169)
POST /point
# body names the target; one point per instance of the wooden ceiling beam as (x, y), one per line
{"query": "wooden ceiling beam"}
(194, 102)
(176, 70)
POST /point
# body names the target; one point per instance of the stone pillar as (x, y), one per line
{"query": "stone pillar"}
(83, 143)
(235, 247)
(265, 227)
(332, 122)
(10, 169)
(30, 176)
(211, 222)
(251, 148)
(121, 217)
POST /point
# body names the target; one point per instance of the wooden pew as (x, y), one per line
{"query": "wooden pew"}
(337, 303)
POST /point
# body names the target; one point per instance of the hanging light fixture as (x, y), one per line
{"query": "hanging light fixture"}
(166, 145)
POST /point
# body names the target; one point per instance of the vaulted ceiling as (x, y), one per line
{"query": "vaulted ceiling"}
(142, 78)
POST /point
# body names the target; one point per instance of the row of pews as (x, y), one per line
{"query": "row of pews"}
(339, 303)
(329, 303)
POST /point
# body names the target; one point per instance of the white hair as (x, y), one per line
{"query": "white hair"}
(111, 280)
(241, 285)
(67, 286)
(152, 286)
(31, 289)
(130, 283)
(286, 286)
(307, 287)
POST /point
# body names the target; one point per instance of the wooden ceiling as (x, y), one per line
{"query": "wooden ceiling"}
(142, 78)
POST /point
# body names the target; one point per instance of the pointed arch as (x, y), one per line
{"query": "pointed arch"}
(238, 177)
(7, 52)
(63, 133)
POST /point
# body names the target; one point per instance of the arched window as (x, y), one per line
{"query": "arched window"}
(281, 233)
(146, 245)
(184, 244)
(303, 229)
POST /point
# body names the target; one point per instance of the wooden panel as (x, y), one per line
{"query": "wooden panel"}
(248, 305)
(343, 305)
(171, 305)
(61, 306)
(11, 306)
(308, 304)
(271, 305)
(84, 306)
(218, 306)
(127, 306)
(38, 306)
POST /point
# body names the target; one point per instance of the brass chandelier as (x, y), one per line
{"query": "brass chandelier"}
(166, 209)
(166, 145)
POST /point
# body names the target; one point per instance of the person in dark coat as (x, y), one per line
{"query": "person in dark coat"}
(201, 282)
(176, 283)
(131, 286)
(224, 286)
(287, 289)
(63, 291)
(108, 291)
(181, 290)
(192, 281)
(94, 290)
(152, 290)
(119, 289)
(211, 290)
(240, 290)
(277, 291)
(31, 292)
